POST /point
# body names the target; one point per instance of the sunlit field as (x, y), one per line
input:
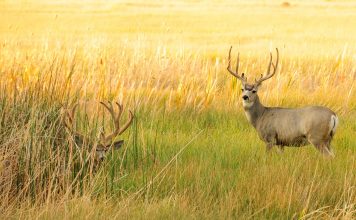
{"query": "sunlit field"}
(190, 152)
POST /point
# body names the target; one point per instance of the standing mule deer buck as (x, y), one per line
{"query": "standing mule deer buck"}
(285, 126)
(105, 142)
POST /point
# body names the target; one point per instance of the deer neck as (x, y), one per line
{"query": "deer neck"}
(254, 111)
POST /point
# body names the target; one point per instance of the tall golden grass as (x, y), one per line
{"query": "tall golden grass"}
(190, 152)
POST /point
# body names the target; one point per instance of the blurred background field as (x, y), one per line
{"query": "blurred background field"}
(190, 153)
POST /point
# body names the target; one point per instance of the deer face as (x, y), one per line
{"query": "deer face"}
(249, 95)
(105, 142)
(101, 149)
(249, 91)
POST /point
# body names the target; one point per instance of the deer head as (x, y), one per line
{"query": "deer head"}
(249, 91)
(105, 142)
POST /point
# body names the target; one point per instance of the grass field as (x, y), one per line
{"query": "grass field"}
(190, 153)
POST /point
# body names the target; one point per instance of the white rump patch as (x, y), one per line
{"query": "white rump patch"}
(334, 121)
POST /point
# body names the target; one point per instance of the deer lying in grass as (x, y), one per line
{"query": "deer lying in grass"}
(286, 126)
(105, 141)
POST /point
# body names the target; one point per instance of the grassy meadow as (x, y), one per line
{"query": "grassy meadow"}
(190, 152)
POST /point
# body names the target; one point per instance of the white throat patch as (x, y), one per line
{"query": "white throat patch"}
(247, 104)
(248, 116)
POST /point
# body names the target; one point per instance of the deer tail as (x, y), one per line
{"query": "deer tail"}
(334, 121)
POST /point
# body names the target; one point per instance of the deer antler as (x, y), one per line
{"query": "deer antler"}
(236, 74)
(69, 122)
(105, 140)
(268, 74)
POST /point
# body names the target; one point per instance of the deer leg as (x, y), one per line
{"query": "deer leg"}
(269, 146)
(329, 147)
(329, 150)
(325, 151)
(280, 149)
(323, 147)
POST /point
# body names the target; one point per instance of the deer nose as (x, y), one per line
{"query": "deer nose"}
(245, 97)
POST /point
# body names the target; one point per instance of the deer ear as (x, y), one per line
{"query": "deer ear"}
(117, 145)
(78, 140)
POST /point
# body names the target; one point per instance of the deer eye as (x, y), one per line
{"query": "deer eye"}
(253, 91)
(242, 90)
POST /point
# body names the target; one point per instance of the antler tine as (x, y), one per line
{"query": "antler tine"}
(269, 74)
(237, 62)
(116, 119)
(128, 123)
(120, 107)
(277, 61)
(236, 74)
(66, 123)
(70, 116)
(270, 64)
(71, 125)
(110, 108)
(229, 59)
